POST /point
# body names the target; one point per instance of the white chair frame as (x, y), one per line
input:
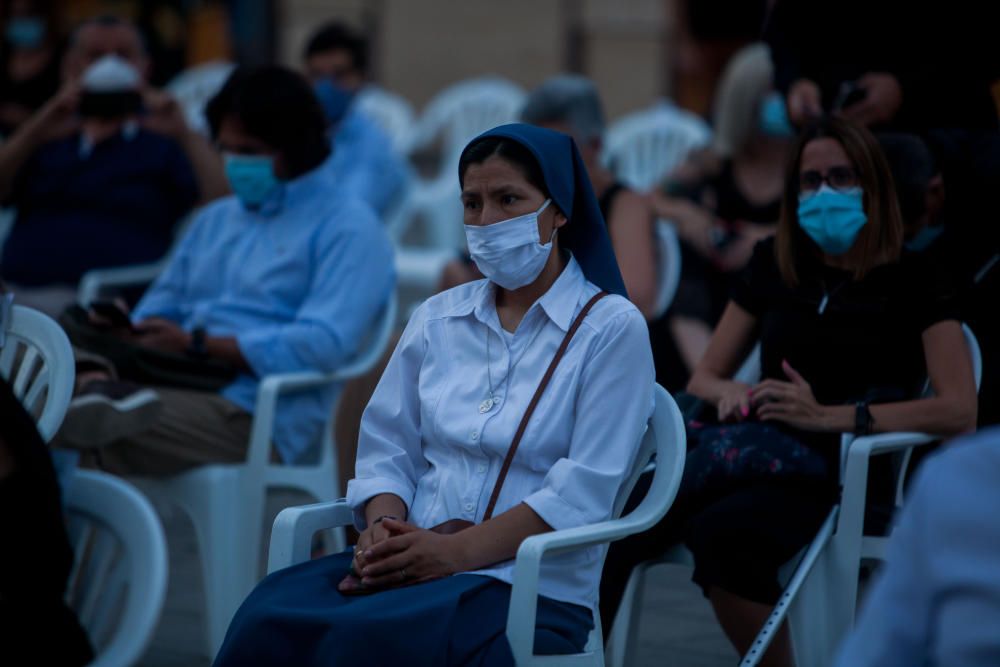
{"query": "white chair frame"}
(119, 578)
(294, 528)
(37, 359)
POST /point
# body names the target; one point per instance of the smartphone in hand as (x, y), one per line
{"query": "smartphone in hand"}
(114, 314)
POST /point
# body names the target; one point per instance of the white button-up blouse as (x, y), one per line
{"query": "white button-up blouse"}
(425, 439)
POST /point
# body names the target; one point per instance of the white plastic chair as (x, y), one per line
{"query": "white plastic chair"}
(461, 111)
(454, 117)
(37, 359)
(669, 268)
(821, 595)
(644, 147)
(391, 112)
(119, 578)
(194, 87)
(226, 502)
(294, 528)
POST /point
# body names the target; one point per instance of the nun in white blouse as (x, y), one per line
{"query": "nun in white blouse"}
(437, 430)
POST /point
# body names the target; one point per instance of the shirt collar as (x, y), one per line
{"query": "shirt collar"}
(558, 303)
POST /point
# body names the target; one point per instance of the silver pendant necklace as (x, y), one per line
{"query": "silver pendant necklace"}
(490, 401)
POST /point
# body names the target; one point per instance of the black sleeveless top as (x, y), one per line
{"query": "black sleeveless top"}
(607, 200)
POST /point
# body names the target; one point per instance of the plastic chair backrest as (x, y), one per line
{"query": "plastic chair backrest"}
(37, 359)
(119, 578)
(665, 437)
(463, 110)
(644, 147)
(669, 266)
(194, 87)
(392, 113)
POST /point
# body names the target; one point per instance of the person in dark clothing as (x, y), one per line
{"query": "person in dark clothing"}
(722, 200)
(101, 173)
(848, 333)
(35, 563)
(858, 59)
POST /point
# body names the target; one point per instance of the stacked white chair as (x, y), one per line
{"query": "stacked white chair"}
(644, 147)
(295, 527)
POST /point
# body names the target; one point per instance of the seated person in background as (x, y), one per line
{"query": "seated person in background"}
(848, 334)
(570, 104)
(533, 222)
(29, 60)
(96, 180)
(285, 275)
(362, 158)
(725, 198)
(936, 599)
(35, 563)
(920, 188)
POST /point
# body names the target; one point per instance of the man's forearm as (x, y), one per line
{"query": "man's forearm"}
(207, 166)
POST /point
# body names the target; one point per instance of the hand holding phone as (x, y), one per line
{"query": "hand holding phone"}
(113, 314)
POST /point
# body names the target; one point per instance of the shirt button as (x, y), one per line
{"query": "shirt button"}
(468, 507)
(474, 435)
(481, 467)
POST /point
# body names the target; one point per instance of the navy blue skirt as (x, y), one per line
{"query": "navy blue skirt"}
(296, 616)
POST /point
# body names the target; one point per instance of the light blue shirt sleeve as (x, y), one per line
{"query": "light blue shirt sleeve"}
(611, 410)
(167, 295)
(389, 458)
(364, 163)
(352, 278)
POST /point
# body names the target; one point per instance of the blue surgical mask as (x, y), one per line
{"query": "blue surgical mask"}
(774, 120)
(25, 32)
(252, 179)
(924, 238)
(832, 218)
(333, 99)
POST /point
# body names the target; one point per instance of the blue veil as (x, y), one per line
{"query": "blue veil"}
(585, 234)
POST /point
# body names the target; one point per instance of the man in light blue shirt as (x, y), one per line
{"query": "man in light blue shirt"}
(288, 274)
(362, 159)
(936, 600)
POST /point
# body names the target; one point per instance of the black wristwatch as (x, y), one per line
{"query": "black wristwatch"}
(197, 348)
(863, 421)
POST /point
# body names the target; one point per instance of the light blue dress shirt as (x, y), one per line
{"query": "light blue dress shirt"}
(298, 287)
(936, 600)
(364, 163)
(424, 438)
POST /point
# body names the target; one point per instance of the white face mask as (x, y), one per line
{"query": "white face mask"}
(509, 252)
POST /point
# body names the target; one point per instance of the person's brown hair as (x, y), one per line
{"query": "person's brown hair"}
(881, 239)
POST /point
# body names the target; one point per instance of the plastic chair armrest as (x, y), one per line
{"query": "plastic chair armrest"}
(96, 280)
(294, 528)
(271, 387)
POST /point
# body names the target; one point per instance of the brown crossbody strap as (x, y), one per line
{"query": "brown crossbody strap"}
(534, 401)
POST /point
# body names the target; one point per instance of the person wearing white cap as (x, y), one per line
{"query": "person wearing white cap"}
(101, 173)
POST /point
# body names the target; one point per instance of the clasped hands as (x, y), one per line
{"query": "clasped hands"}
(391, 552)
(790, 402)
